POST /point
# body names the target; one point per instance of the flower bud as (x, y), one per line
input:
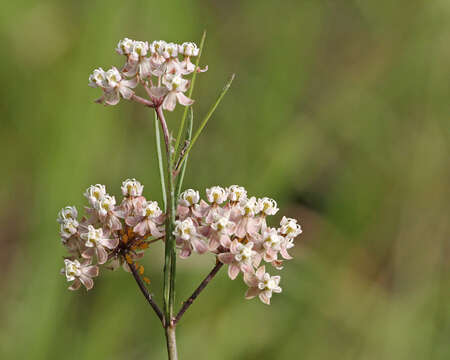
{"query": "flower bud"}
(132, 187)
(125, 46)
(188, 49)
(216, 194)
(189, 197)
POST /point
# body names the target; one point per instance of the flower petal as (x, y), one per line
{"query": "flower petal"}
(102, 255)
(233, 271)
(184, 100)
(170, 101)
(252, 292)
(226, 258)
(87, 282)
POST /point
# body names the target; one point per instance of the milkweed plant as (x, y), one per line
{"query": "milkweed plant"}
(228, 224)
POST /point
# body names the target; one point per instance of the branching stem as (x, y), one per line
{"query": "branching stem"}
(146, 294)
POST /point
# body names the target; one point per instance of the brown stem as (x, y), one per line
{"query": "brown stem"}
(197, 292)
(165, 130)
(146, 294)
(142, 101)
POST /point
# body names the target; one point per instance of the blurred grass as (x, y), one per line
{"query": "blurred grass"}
(340, 110)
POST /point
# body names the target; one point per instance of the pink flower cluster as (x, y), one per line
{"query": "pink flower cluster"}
(158, 66)
(234, 226)
(229, 224)
(113, 234)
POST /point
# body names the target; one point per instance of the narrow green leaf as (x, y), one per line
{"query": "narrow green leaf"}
(207, 117)
(160, 162)
(191, 89)
(187, 140)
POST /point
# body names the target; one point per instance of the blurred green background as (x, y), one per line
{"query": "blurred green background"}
(340, 111)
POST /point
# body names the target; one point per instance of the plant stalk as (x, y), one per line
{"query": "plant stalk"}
(170, 255)
(171, 341)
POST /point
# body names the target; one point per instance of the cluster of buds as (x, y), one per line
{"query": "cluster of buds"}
(230, 225)
(159, 67)
(111, 234)
(234, 227)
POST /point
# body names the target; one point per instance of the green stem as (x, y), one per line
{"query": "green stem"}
(160, 162)
(171, 341)
(170, 255)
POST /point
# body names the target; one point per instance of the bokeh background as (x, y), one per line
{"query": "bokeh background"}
(340, 111)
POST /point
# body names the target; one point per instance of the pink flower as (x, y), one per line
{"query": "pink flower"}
(271, 242)
(148, 220)
(176, 86)
(240, 258)
(188, 239)
(80, 273)
(96, 244)
(219, 231)
(69, 212)
(237, 193)
(261, 284)
(106, 213)
(113, 85)
(186, 203)
(248, 224)
(132, 187)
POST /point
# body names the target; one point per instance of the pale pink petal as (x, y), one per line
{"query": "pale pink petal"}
(264, 298)
(213, 242)
(182, 211)
(102, 255)
(246, 268)
(130, 68)
(199, 246)
(225, 241)
(253, 225)
(233, 271)
(185, 253)
(75, 285)
(240, 230)
(110, 243)
(158, 92)
(133, 220)
(141, 228)
(88, 253)
(184, 85)
(251, 280)
(252, 292)
(260, 272)
(145, 68)
(91, 271)
(112, 97)
(233, 246)
(256, 260)
(126, 93)
(130, 83)
(184, 100)
(285, 254)
(153, 229)
(87, 282)
(226, 258)
(170, 101)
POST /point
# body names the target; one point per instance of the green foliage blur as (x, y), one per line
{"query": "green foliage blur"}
(340, 111)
